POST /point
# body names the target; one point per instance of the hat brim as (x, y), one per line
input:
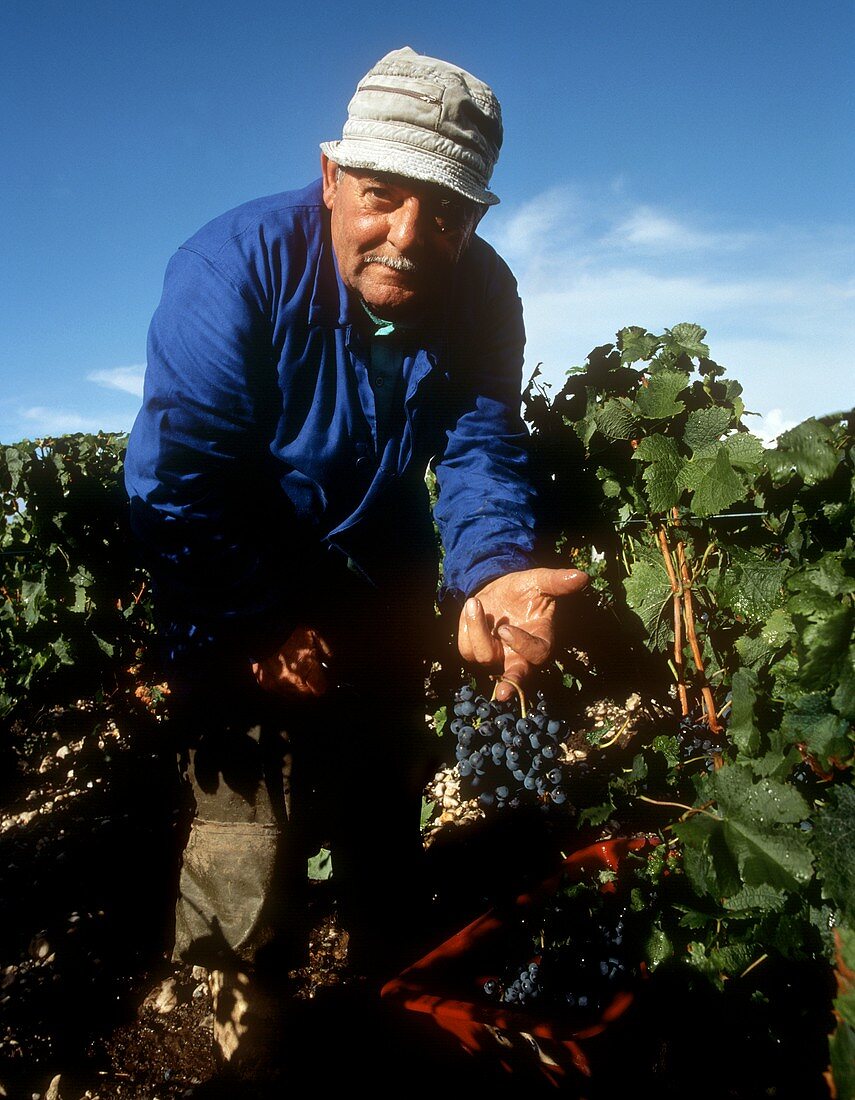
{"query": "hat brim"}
(412, 163)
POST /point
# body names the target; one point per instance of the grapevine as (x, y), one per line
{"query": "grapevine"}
(733, 565)
(727, 572)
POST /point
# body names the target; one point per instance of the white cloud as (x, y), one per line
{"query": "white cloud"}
(44, 421)
(777, 304)
(521, 233)
(770, 426)
(648, 229)
(113, 413)
(126, 379)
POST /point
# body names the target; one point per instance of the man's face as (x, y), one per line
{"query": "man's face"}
(397, 241)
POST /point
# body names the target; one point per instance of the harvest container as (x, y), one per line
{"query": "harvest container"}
(446, 985)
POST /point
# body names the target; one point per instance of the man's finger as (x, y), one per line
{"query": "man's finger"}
(531, 648)
(484, 647)
(322, 644)
(505, 690)
(559, 582)
(300, 679)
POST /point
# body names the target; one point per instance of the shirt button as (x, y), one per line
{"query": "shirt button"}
(380, 381)
(363, 463)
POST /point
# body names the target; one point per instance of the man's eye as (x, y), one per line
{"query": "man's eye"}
(449, 215)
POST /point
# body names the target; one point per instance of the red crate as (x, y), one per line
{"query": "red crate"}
(522, 1039)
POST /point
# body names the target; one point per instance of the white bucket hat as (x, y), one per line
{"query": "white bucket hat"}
(424, 119)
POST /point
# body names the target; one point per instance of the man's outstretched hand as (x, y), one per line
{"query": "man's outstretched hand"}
(299, 668)
(508, 625)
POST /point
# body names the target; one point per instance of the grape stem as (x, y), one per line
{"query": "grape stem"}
(690, 810)
(517, 689)
(751, 966)
(615, 737)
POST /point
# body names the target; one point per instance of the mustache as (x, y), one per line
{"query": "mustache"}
(396, 263)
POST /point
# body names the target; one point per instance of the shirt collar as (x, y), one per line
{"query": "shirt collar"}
(391, 328)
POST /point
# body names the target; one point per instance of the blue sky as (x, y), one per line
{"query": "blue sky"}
(663, 162)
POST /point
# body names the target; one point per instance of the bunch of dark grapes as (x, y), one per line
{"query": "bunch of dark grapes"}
(523, 985)
(587, 970)
(589, 955)
(810, 786)
(698, 742)
(505, 758)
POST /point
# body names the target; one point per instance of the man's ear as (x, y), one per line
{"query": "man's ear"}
(328, 170)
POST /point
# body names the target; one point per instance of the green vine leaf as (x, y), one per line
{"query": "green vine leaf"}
(824, 648)
(807, 450)
(752, 816)
(660, 475)
(706, 426)
(756, 899)
(636, 343)
(745, 451)
(711, 478)
(658, 948)
(688, 338)
(764, 857)
(617, 419)
(843, 699)
(743, 727)
(648, 591)
(753, 588)
(766, 802)
(817, 588)
(811, 721)
(658, 399)
(707, 860)
(834, 842)
(33, 595)
(62, 650)
(14, 463)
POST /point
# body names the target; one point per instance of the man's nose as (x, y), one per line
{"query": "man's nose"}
(406, 226)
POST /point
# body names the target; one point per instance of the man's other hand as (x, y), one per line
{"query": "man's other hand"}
(299, 668)
(508, 625)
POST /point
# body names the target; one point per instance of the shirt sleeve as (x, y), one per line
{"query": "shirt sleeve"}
(197, 472)
(486, 501)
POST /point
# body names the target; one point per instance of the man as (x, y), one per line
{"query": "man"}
(312, 353)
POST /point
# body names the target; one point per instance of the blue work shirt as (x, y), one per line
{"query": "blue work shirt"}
(254, 467)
